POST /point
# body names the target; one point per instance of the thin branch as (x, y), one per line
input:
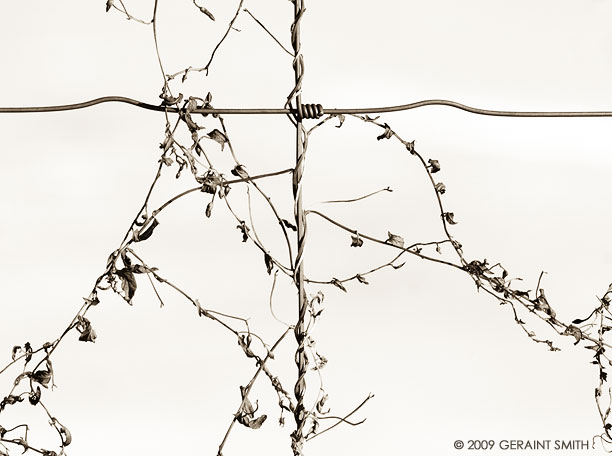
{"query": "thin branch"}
(229, 182)
(247, 389)
(128, 15)
(342, 420)
(271, 296)
(360, 198)
(268, 32)
(379, 241)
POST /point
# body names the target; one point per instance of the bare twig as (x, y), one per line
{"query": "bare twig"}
(268, 32)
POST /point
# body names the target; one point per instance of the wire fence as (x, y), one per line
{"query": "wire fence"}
(127, 267)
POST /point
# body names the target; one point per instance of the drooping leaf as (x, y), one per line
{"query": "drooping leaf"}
(170, 100)
(166, 161)
(219, 137)
(28, 350)
(34, 397)
(109, 5)
(573, 331)
(245, 344)
(146, 234)
(42, 376)
(410, 147)
(449, 217)
(340, 120)
(208, 13)
(192, 105)
(128, 284)
(246, 414)
(252, 423)
(387, 133)
(240, 171)
(321, 404)
(289, 225)
(210, 181)
(269, 263)
(65, 434)
(395, 240)
(440, 188)
(245, 229)
(356, 241)
(541, 303)
(338, 284)
(88, 334)
(209, 208)
(435, 166)
(320, 363)
(361, 279)
(192, 126)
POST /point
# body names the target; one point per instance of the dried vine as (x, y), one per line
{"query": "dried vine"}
(126, 262)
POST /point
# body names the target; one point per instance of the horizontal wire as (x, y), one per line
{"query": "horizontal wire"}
(285, 111)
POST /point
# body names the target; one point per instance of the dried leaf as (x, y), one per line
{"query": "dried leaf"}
(410, 147)
(387, 133)
(449, 217)
(42, 376)
(321, 362)
(192, 105)
(341, 119)
(66, 436)
(361, 279)
(435, 166)
(210, 181)
(395, 240)
(170, 100)
(219, 137)
(289, 225)
(209, 208)
(269, 263)
(573, 331)
(321, 404)
(191, 125)
(16, 349)
(240, 171)
(146, 234)
(256, 423)
(356, 241)
(109, 5)
(128, 284)
(246, 414)
(338, 284)
(208, 13)
(245, 229)
(28, 350)
(88, 335)
(440, 188)
(34, 397)
(541, 303)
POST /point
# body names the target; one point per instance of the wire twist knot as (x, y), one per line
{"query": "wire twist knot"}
(309, 111)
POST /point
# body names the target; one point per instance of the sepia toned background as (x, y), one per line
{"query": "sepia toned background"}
(443, 361)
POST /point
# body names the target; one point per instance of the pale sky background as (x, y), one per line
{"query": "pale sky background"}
(444, 362)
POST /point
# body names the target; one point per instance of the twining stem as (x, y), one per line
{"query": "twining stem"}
(300, 414)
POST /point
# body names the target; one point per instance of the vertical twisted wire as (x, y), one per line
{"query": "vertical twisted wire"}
(300, 414)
